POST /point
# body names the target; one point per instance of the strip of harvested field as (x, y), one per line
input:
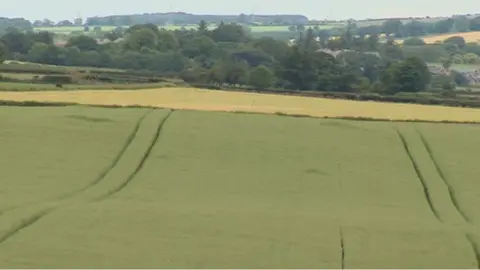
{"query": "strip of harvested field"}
(142, 161)
(419, 175)
(451, 193)
(436, 190)
(208, 100)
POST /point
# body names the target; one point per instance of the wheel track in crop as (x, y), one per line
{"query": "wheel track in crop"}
(442, 176)
(40, 215)
(342, 249)
(101, 176)
(115, 161)
(419, 175)
(475, 248)
(453, 199)
(25, 224)
(140, 165)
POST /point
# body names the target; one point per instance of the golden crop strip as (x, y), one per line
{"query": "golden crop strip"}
(468, 36)
(213, 100)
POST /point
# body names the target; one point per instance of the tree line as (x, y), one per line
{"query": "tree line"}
(181, 18)
(399, 28)
(229, 55)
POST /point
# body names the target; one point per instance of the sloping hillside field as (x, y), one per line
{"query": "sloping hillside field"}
(155, 188)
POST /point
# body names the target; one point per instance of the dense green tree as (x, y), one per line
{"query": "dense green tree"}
(369, 30)
(78, 21)
(309, 42)
(254, 57)
(167, 41)
(198, 46)
(411, 75)
(459, 78)
(417, 28)
(113, 36)
(3, 52)
(203, 27)
(413, 41)
(64, 23)
(237, 72)
(391, 51)
(444, 26)
(140, 38)
(17, 42)
(475, 24)
(471, 58)
(393, 27)
(461, 24)
(472, 48)
(229, 33)
(305, 70)
(362, 64)
(83, 43)
(136, 27)
(373, 42)
(447, 63)
(262, 77)
(277, 49)
(457, 40)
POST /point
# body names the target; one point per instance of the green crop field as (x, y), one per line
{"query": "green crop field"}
(86, 187)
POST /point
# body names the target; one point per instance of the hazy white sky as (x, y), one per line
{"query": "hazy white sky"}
(314, 9)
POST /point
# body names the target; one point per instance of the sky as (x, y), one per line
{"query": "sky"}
(314, 9)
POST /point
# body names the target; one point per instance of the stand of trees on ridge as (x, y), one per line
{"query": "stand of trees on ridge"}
(228, 55)
(391, 27)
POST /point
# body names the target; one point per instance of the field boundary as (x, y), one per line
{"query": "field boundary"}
(419, 175)
(451, 193)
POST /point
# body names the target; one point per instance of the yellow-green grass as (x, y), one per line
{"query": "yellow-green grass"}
(212, 100)
(224, 190)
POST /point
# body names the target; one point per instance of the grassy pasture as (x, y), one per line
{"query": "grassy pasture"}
(196, 189)
(213, 100)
